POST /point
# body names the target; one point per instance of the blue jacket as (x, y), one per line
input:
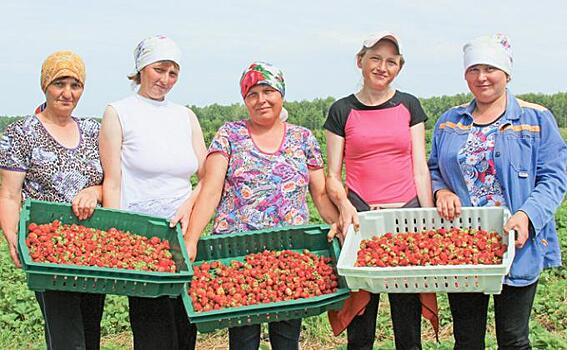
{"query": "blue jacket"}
(530, 158)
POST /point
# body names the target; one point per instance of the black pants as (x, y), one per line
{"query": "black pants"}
(405, 308)
(284, 335)
(406, 320)
(512, 308)
(161, 323)
(72, 320)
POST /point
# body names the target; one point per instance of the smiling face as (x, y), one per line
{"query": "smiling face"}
(486, 83)
(157, 79)
(63, 94)
(380, 65)
(264, 103)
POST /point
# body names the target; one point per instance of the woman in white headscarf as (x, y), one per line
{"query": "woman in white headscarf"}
(149, 149)
(500, 151)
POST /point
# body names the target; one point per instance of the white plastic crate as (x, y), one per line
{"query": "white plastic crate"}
(413, 279)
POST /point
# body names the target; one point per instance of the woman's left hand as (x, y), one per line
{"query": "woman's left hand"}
(334, 231)
(519, 222)
(85, 202)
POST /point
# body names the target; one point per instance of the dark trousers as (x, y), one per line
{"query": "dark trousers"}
(72, 320)
(406, 319)
(405, 308)
(284, 335)
(161, 323)
(512, 308)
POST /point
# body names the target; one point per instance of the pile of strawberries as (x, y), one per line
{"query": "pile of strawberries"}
(434, 247)
(269, 276)
(80, 245)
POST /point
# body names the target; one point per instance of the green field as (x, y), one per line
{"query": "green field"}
(21, 323)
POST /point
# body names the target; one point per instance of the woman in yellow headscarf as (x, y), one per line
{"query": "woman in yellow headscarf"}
(53, 156)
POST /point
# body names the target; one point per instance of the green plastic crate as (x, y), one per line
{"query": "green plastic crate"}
(89, 279)
(235, 246)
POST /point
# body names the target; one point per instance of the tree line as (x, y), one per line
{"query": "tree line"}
(312, 114)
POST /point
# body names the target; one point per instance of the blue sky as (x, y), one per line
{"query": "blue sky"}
(313, 42)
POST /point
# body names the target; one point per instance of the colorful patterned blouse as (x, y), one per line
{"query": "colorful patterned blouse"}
(263, 190)
(53, 172)
(477, 165)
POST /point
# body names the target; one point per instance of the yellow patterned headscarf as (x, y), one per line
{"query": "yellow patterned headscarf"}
(62, 64)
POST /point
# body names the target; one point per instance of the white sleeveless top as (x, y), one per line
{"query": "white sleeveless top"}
(157, 155)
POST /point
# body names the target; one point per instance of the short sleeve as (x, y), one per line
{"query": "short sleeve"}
(221, 141)
(417, 114)
(336, 118)
(90, 128)
(313, 152)
(14, 149)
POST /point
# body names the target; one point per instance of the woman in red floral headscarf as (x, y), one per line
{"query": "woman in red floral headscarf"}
(258, 172)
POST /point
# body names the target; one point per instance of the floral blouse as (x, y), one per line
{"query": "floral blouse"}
(53, 172)
(477, 165)
(263, 190)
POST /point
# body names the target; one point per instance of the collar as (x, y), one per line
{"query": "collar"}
(513, 109)
(152, 102)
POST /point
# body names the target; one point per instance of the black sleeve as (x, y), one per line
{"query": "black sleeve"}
(337, 117)
(417, 114)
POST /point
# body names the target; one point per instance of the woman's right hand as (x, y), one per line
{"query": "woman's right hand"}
(448, 204)
(12, 240)
(348, 216)
(85, 202)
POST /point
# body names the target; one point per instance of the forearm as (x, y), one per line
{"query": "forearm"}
(111, 194)
(194, 194)
(550, 178)
(336, 192)
(203, 210)
(327, 210)
(423, 189)
(9, 215)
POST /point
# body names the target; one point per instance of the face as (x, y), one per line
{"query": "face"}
(63, 94)
(486, 83)
(264, 103)
(380, 65)
(157, 79)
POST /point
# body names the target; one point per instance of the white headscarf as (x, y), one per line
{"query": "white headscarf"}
(153, 49)
(493, 50)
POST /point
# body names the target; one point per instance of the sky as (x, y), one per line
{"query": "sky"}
(314, 43)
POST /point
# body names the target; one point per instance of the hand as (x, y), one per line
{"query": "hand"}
(347, 216)
(12, 240)
(191, 249)
(519, 222)
(182, 215)
(84, 203)
(448, 204)
(334, 231)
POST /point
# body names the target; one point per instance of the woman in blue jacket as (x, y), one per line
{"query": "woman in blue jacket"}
(500, 151)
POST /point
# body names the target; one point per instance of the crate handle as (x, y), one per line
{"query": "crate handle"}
(159, 222)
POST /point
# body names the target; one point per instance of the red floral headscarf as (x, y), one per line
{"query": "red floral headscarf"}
(261, 73)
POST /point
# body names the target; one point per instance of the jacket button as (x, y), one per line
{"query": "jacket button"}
(497, 154)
